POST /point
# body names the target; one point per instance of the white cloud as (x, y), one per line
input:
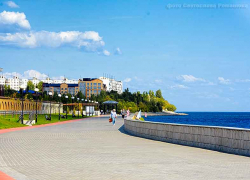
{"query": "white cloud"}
(224, 81)
(243, 80)
(127, 80)
(178, 86)
(118, 51)
(158, 81)
(29, 74)
(33, 73)
(189, 78)
(11, 74)
(12, 4)
(89, 41)
(207, 95)
(106, 53)
(14, 20)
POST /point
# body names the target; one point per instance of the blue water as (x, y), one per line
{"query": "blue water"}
(226, 119)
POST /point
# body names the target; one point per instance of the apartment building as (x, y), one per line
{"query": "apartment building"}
(61, 88)
(112, 85)
(14, 83)
(89, 86)
(2, 80)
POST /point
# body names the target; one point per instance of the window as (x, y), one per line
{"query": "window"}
(95, 84)
(99, 84)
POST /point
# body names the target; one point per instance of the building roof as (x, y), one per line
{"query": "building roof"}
(58, 85)
(87, 79)
(110, 102)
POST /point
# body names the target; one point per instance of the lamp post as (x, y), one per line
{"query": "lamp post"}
(89, 108)
(92, 109)
(72, 105)
(67, 107)
(36, 90)
(82, 107)
(59, 95)
(50, 94)
(22, 87)
(78, 106)
(86, 106)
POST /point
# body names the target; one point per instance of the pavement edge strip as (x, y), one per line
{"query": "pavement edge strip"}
(4, 176)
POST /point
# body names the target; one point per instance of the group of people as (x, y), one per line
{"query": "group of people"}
(113, 115)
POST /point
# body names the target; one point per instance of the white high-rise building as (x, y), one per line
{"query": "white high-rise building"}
(2, 80)
(14, 83)
(112, 84)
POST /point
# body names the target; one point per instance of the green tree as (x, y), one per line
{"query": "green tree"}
(158, 94)
(40, 86)
(30, 85)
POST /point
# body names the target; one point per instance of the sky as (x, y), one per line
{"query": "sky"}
(196, 52)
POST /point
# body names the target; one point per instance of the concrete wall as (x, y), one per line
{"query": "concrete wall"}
(230, 140)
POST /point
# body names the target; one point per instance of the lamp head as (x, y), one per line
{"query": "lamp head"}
(36, 89)
(59, 95)
(50, 93)
(66, 97)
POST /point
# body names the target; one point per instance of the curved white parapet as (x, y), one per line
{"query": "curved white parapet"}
(224, 139)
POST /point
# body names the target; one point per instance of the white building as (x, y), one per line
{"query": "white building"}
(112, 84)
(35, 81)
(14, 83)
(2, 80)
(59, 81)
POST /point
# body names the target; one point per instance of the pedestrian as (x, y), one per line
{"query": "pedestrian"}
(128, 113)
(123, 113)
(113, 116)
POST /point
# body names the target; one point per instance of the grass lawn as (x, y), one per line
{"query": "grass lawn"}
(10, 122)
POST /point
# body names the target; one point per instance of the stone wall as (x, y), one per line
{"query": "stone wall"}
(229, 140)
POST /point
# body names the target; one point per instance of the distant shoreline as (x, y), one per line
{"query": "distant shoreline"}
(164, 113)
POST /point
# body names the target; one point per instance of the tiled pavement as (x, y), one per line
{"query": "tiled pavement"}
(94, 149)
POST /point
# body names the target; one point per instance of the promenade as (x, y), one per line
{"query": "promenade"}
(94, 149)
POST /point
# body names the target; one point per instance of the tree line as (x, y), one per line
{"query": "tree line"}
(147, 101)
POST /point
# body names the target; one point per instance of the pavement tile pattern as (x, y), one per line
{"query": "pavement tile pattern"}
(94, 149)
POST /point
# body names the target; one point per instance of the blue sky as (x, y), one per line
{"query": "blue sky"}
(198, 57)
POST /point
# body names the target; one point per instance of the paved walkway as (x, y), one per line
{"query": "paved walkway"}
(94, 149)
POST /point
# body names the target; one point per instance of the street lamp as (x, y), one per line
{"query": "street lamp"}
(50, 94)
(22, 87)
(36, 90)
(93, 109)
(82, 107)
(59, 95)
(86, 107)
(78, 106)
(67, 106)
(72, 105)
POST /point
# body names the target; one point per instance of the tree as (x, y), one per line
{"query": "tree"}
(30, 85)
(158, 94)
(40, 86)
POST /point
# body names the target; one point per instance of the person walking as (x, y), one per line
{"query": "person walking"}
(123, 113)
(128, 113)
(113, 116)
